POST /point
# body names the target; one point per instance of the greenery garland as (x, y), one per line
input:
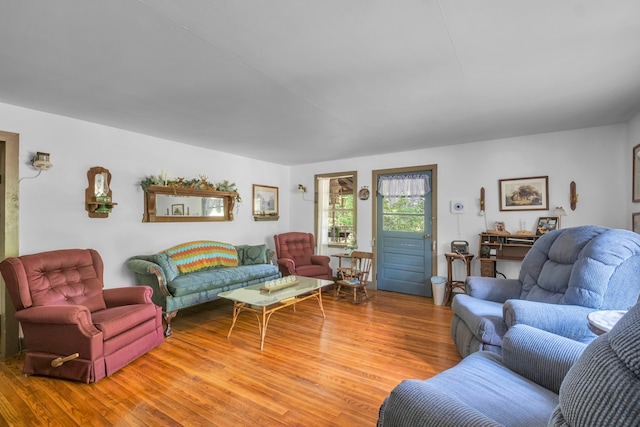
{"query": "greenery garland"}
(199, 183)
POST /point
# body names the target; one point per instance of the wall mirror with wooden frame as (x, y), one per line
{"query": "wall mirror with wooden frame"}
(178, 204)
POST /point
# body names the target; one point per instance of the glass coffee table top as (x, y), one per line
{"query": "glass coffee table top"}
(254, 295)
(264, 302)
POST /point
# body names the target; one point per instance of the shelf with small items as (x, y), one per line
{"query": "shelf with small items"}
(502, 246)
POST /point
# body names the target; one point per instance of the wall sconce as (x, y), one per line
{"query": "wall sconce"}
(573, 197)
(302, 188)
(481, 201)
(559, 212)
(41, 161)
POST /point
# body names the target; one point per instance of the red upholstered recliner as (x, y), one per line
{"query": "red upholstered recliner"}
(295, 256)
(63, 309)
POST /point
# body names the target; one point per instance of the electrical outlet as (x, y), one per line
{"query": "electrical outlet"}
(457, 207)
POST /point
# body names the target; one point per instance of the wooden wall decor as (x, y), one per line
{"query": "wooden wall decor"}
(573, 196)
(98, 202)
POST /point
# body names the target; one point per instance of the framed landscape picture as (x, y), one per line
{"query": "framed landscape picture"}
(265, 202)
(524, 194)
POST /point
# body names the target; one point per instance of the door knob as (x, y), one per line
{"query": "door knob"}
(427, 236)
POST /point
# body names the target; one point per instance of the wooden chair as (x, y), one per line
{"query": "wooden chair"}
(356, 277)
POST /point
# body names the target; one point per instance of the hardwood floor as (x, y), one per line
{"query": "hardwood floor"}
(312, 371)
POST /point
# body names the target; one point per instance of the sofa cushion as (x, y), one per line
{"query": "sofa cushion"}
(203, 254)
(116, 320)
(483, 318)
(66, 277)
(253, 255)
(167, 264)
(205, 280)
(481, 382)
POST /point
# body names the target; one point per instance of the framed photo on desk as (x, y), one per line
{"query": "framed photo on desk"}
(546, 224)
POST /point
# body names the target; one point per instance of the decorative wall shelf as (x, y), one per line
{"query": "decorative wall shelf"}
(98, 202)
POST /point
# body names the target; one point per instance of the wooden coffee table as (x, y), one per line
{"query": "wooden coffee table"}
(263, 303)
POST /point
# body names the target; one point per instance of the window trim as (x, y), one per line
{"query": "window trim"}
(354, 175)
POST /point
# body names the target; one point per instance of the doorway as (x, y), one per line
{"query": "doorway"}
(9, 340)
(404, 228)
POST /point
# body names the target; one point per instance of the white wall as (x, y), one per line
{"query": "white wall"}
(52, 213)
(594, 158)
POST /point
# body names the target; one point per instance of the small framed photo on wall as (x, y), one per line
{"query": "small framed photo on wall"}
(265, 203)
(635, 222)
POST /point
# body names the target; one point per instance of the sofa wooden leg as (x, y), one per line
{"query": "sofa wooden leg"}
(167, 319)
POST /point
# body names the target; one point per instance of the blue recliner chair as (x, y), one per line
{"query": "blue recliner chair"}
(541, 379)
(566, 274)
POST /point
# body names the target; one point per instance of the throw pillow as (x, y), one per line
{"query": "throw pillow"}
(255, 255)
(202, 254)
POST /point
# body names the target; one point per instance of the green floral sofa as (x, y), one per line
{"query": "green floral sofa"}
(196, 272)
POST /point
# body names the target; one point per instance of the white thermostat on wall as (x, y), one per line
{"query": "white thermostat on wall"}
(456, 207)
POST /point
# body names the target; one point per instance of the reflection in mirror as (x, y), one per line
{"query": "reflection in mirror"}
(100, 183)
(212, 206)
(170, 205)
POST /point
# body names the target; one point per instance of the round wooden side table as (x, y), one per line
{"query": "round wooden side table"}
(453, 284)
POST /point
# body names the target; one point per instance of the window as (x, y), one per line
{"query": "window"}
(403, 201)
(336, 209)
(406, 215)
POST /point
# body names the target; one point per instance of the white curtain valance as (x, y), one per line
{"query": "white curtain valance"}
(412, 186)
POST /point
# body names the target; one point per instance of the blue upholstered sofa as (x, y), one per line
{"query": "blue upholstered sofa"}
(196, 272)
(566, 274)
(541, 379)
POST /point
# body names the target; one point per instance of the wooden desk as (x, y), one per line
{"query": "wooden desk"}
(452, 284)
(502, 247)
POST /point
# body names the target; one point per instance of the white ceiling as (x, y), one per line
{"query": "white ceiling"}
(300, 81)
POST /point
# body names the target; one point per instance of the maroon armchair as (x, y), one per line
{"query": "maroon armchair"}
(295, 256)
(73, 328)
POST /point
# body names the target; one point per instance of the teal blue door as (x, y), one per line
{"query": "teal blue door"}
(404, 244)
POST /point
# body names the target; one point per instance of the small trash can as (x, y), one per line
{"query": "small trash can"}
(438, 284)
